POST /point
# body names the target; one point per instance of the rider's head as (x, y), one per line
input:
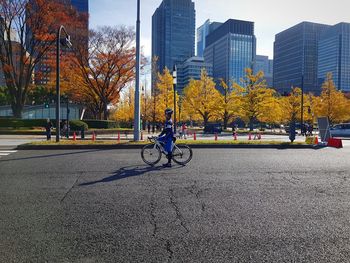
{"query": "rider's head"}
(168, 113)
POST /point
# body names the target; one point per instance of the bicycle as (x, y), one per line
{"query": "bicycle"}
(152, 152)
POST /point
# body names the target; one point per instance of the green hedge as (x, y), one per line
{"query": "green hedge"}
(19, 123)
(76, 125)
(101, 124)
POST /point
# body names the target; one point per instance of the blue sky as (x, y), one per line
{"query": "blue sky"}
(270, 16)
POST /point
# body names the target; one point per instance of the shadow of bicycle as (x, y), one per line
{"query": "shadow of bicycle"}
(126, 172)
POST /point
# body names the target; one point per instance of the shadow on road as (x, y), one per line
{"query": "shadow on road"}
(126, 172)
(49, 155)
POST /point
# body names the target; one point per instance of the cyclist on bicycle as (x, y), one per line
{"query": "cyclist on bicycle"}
(167, 136)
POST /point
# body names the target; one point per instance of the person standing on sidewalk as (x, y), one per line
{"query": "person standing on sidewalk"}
(48, 128)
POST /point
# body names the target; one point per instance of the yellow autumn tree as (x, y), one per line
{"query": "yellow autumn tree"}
(124, 110)
(332, 103)
(291, 106)
(272, 112)
(201, 98)
(229, 103)
(257, 99)
(165, 95)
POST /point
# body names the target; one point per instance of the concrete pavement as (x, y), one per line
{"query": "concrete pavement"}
(225, 206)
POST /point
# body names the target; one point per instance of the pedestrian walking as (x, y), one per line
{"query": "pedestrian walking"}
(310, 129)
(184, 130)
(64, 129)
(148, 128)
(48, 128)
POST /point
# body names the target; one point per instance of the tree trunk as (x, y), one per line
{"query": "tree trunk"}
(17, 109)
(205, 119)
(105, 112)
(226, 117)
(251, 124)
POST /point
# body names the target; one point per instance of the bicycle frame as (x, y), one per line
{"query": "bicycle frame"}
(160, 145)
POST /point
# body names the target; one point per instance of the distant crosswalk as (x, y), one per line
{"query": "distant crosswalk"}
(4, 153)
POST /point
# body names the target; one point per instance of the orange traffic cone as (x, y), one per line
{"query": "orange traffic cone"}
(194, 136)
(216, 136)
(74, 136)
(250, 137)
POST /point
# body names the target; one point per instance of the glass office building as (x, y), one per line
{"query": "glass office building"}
(202, 33)
(173, 33)
(263, 63)
(334, 56)
(231, 48)
(82, 6)
(296, 58)
(192, 69)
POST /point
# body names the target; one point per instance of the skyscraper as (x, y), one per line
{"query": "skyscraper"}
(81, 6)
(230, 49)
(263, 63)
(296, 58)
(192, 69)
(202, 32)
(334, 56)
(173, 32)
(78, 33)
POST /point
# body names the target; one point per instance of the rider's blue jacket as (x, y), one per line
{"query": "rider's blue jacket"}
(167, 136)
(168, 130)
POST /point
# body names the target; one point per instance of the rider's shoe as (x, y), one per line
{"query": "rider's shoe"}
(167, 165)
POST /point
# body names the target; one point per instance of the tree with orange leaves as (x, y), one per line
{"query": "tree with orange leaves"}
(107, 68)
(27, 33)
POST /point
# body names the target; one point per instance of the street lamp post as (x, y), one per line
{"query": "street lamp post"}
(137, 79)
(68, 111)
(65, 42)
(302, 105)
(174, 83)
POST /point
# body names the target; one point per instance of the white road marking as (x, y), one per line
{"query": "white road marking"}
(5, 153)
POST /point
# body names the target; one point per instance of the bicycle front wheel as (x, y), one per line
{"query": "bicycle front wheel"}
(182, 154)
(151, 154)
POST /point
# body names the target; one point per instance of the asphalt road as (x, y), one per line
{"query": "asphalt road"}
(227, 205)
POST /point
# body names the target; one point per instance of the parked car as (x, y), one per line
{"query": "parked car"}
(341, 130)
(213, 128)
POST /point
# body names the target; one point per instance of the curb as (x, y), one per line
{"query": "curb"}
(193, 146)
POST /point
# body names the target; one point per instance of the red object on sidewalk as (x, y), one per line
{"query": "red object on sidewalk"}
(216, 136)
(235, 136)
(118, 136)
(250, 137)
(74, 136)
(93, 136)
(333, 142)
(316, 140)
(194, 136)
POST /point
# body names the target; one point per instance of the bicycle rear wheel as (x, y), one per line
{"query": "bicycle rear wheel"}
(182, 154)
(151, 154)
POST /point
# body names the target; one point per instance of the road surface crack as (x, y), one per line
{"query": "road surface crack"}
(169, 250)
(153, 217)
(179, 216)
(69, 190)
(197, 192)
